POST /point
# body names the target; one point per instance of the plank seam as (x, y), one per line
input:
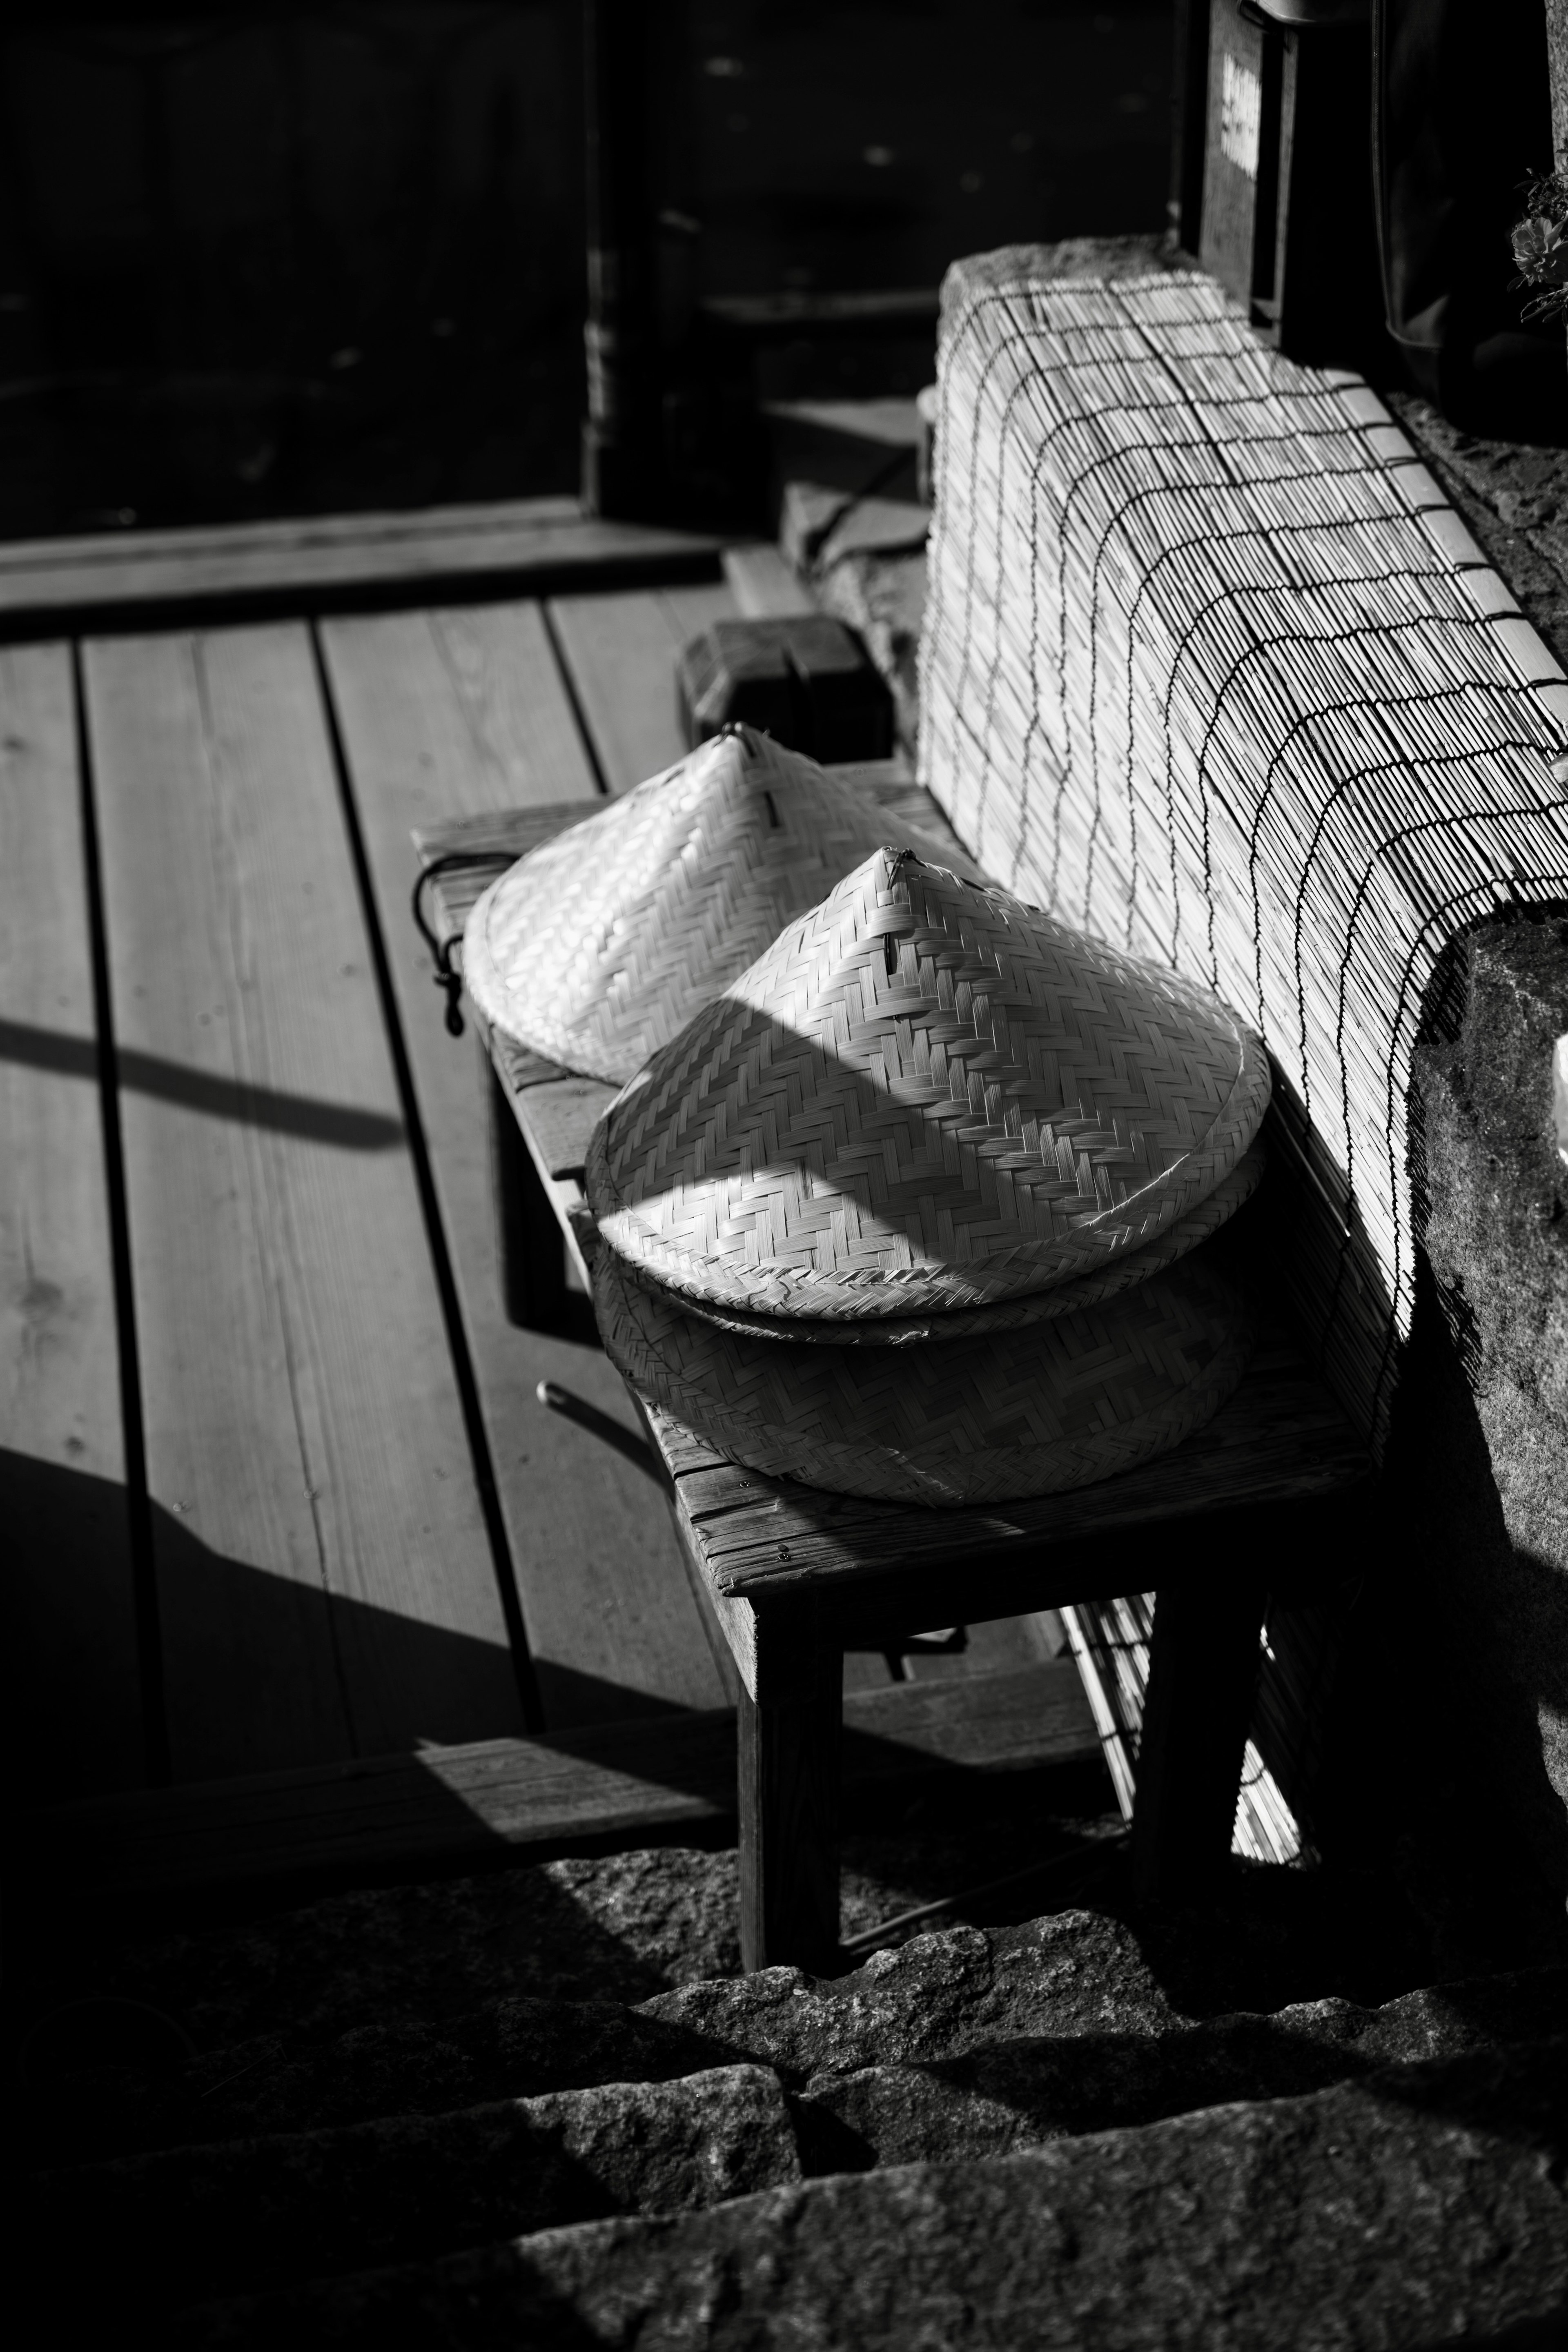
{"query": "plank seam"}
(155, 1748)
(569, 683)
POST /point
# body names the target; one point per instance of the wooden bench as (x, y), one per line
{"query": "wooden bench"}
(1266, 1498)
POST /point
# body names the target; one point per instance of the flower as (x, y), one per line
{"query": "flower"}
(1541, 251)
(1541, 243)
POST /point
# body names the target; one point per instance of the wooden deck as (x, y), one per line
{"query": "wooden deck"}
(280, 1499)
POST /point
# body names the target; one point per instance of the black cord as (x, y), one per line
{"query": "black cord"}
(445, 975)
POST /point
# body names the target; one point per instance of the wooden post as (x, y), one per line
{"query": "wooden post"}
(1189, 120)
(622, 437)
(1202, 1672)
(790, 1725)
(532, 1255)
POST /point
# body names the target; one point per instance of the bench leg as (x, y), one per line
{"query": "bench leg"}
(1202, 1672)
(532, 1255)
(789, 1769)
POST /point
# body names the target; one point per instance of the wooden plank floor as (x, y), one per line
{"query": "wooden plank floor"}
(286, 1497)
(457, 714)
(72, 1676)
(325, 1580)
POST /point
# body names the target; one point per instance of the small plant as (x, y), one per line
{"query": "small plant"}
(1541, 244)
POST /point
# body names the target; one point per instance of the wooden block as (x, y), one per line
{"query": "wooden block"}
(72, 1686)
(527, 545)
(807, 512)
(459, 1807)
(325, 1580)
(876, 526)
(611, 1624)
(804, 678)
(764, 585)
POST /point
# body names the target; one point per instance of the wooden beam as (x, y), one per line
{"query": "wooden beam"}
(897, 311)
(320, 563)
(461, 1807)
(623, 439)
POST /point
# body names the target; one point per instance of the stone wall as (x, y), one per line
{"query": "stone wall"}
(1456, 1702)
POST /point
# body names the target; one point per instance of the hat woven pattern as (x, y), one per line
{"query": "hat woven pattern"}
(599, 946)
(926, 1096)
(1029, 1413)
(1116, 1273)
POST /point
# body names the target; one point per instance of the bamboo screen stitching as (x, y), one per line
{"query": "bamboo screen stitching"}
(1212, 668)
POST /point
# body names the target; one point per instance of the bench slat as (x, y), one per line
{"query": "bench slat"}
(1281, 1436)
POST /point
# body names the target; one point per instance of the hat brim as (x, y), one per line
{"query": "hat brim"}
(1008, 1314)
(1032, 1411)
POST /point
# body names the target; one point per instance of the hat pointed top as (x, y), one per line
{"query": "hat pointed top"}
(925, 1094)
(596, 948)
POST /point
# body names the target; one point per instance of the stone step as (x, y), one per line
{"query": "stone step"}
(1072, 1973)
(1069, 1973)
(1006, 2094)
(191, 2222)
(520, 2049)
(1425, 2205)
(961, 2040)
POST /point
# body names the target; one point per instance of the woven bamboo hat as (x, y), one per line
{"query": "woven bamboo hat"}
(926, 1096)
(599, 946)
(1031, 1412)
(1115, 1274)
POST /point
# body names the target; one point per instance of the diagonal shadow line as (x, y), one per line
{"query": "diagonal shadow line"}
(192, 1089)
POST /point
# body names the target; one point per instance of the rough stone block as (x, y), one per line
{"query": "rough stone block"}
(1424, 2206)
(616, 1928)
(1009, 2095)
(1070, 1974)
(1497, 1240)
(519, 2049)
(194, 2221)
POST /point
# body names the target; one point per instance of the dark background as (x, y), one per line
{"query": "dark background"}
(280, 260)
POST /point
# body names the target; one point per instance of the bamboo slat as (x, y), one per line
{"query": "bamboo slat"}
(1211, 668)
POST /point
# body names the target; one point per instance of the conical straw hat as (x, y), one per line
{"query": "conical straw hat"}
(599, 946)
(1116, 1273)
(925, 1096)
(1026, 1412)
